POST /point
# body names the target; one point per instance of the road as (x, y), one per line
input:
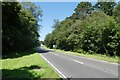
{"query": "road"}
(68, 65)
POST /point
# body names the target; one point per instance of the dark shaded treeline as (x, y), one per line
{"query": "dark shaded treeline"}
(19, 26)
(92, 28)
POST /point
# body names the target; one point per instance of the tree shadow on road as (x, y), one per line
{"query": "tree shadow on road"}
(42, 50)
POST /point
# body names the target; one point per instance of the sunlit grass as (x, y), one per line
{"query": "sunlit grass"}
(29, 66)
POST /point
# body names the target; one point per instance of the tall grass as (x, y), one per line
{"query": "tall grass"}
(30, 66)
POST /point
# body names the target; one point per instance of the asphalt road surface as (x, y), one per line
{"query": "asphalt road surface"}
(67, 65)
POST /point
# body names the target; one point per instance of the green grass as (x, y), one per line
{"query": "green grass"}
(31, 66)
(114, 59)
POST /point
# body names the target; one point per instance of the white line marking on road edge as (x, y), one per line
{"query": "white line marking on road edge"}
(63, 76)
(78, 62)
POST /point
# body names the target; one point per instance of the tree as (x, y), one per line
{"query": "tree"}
(19, 28)
(107, 7)
(92, 31)
(56, 24)
(9, 11)
(83, 9)
(117, 18)
(49, 41)
(117, 13)
(33, 9)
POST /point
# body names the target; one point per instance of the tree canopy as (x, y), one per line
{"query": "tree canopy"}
(19, 27)
(92, 28)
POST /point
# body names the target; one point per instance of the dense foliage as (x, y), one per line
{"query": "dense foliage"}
(19, 27)
(92, 28)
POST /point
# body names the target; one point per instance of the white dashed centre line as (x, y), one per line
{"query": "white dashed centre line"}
(78, 62)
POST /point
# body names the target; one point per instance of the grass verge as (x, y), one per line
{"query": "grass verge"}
(30, 66)
(114, 59)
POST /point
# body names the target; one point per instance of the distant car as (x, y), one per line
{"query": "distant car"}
(42, 45)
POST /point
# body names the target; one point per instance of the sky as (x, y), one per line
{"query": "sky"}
(51, 11)
(54, 10)
(63, 0)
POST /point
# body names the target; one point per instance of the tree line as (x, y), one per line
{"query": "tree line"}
(19, 26)
(91, 28)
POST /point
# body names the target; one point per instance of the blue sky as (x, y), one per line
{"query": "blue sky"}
(63, 0)
(54, 10)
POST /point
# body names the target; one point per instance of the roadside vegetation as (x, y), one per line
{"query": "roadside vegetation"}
(19, 26)
(113, 59)
(92, 30)
(20, 36)
(95, 29)
(26, 65)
